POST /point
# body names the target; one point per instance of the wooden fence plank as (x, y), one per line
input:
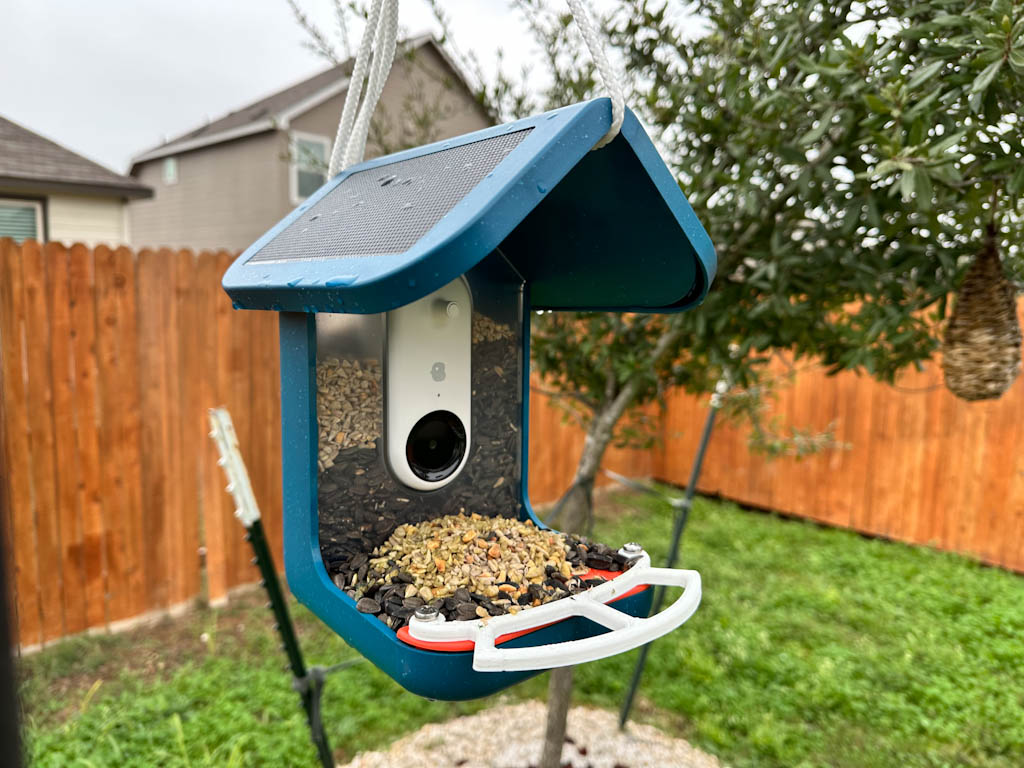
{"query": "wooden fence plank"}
(192, 428)
(119, 403)
(87, 433)
(176, 518)
(130, 419)
(244, 411)
(234, 390)
(210, 308)
(18, 453)
(9, 598)
(41, 437)
(266, 414)
(155, 274)
(66, 439)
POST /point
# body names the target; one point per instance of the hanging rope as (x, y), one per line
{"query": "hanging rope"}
(379, 39)
(384, 42)
(609, 80)
(377, 53)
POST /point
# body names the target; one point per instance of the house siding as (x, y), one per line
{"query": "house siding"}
(423, 86)
(229, 194)
(226, 195)
(89, 220)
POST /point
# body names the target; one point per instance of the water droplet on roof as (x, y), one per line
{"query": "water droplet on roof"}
(340, 280)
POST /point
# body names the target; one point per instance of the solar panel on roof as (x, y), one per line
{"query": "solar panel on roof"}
(388, 208)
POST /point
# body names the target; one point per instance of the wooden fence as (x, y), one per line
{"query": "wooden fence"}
(923, 467)
(109, 360)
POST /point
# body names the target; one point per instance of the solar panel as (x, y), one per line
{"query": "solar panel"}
(386, 209)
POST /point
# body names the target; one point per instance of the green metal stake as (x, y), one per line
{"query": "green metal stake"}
(682, 507)
(309, 683)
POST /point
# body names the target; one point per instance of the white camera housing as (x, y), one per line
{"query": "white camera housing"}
(428, 387)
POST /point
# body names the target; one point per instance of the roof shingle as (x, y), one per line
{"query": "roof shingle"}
(29, 159)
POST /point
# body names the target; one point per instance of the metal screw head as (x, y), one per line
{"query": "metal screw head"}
(427, 613)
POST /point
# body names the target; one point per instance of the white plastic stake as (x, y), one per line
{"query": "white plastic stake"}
(223, 434)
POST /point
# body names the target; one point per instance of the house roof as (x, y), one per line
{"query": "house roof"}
(277, 109)
(31, 162)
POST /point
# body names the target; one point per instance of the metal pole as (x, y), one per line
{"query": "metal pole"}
(682, 516)
(309, 683)
(309, 686)
(9, 731)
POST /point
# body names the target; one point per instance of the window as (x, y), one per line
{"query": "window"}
(170, 170)
(21, 219)
(310, 156)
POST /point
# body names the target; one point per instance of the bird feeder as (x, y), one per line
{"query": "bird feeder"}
(405, 287)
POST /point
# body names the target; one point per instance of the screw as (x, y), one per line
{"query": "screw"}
(427, 613)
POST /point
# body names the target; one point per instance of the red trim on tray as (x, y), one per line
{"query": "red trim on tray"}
(468, 645)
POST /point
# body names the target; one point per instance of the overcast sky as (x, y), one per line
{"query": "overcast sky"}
(111, 78)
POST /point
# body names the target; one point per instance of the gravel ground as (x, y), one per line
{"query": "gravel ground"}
(510, 737)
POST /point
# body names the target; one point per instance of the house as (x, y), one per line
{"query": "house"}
(48, 192)
(223, 185)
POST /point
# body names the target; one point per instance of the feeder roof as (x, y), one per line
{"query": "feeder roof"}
(604, 230)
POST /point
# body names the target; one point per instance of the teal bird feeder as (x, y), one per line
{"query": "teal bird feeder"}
(404, 287)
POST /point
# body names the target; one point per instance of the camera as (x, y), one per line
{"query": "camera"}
(428, 389)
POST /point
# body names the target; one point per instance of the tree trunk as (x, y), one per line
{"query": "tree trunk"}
(577, 505)
(559, 695)
(577, 514)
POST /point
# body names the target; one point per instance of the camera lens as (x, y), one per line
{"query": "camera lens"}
(436, 446)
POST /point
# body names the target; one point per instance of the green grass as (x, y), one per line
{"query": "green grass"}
(812, 647)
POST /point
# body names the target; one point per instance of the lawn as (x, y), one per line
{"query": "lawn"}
(812, 647)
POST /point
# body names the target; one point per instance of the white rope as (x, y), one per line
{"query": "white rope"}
(350, 141)
(609, 80)
(384, 43)
(379, 41)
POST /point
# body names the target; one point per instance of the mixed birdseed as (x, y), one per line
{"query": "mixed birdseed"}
(464, 550)
(348, 406)
(469, 567)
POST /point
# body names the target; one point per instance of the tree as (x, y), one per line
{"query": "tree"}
(846, 158)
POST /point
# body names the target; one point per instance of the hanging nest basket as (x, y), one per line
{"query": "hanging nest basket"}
(981, 354)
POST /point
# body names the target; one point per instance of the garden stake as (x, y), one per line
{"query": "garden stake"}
(309, 683)
(682, 507)
(9, 730)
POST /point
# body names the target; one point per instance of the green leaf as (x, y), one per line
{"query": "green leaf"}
(984, 80)
(876, 104)
(1016, 60)
(927, 72)
(815, 134)
(1016, 184)
(922, 189)
(907, 185)
(946, 142)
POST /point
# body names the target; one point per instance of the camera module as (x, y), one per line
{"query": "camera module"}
(436, 446)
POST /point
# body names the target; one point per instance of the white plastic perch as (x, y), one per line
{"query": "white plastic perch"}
(625, 632)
